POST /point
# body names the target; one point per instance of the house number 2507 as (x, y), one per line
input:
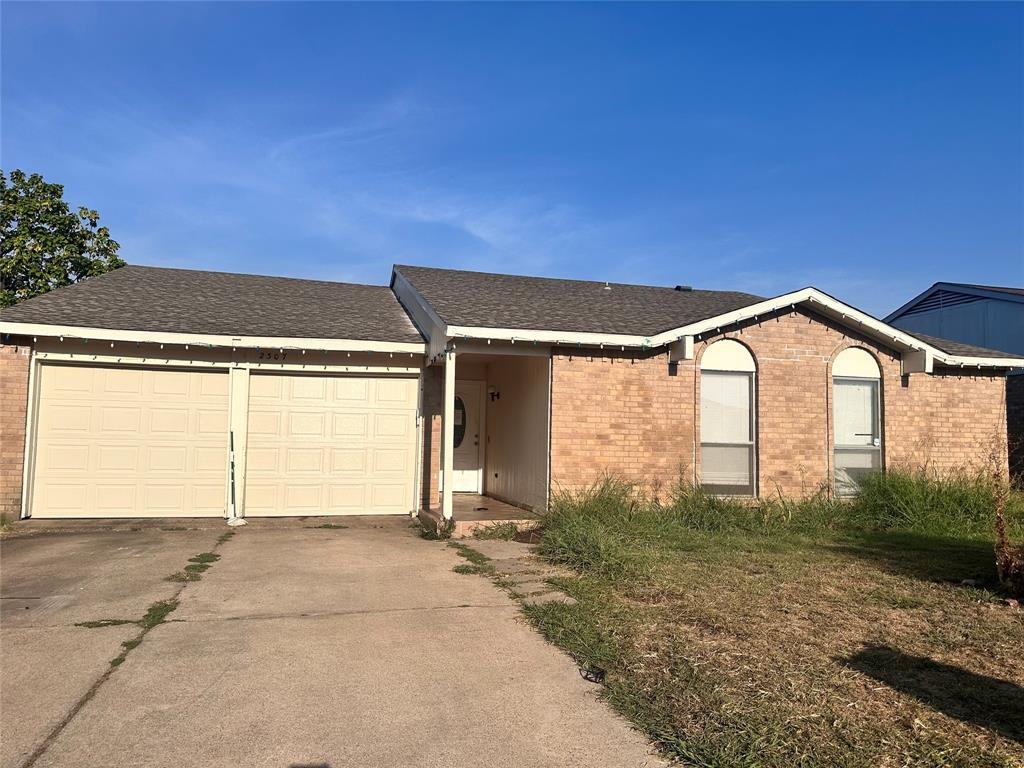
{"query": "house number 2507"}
(273, 355)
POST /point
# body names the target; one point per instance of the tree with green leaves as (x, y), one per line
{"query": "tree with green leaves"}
(43, 245)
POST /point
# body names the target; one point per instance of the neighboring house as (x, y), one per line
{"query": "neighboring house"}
(162, 392)
(984, 315)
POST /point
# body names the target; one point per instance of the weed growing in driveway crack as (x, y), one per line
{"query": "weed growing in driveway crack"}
(478, 559)
(197, 565)
(225, 536)
(126, 647)
(330, 526)
(100, 623)
(466, 568)
(158, 613)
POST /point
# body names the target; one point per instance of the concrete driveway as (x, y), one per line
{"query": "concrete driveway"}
(301, 646)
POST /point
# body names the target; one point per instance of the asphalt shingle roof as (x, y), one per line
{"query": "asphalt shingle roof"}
(221, 303)
(959, 348)
(511, 301)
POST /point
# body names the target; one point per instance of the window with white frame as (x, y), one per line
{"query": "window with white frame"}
(728, 460)
(857, 432)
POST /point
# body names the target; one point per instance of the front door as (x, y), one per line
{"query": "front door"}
(468, 457)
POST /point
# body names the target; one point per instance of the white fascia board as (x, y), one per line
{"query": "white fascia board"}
(423, 316)
(547, 337)
(161, 337)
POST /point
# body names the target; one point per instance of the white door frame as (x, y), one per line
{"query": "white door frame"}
(481, 388)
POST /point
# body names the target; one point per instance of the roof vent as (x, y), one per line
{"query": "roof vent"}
(606, 286)
(683, 288)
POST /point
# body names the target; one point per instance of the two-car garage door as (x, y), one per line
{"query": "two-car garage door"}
(143, 442)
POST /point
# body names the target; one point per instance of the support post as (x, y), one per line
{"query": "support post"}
(238, 424)
(448, 435)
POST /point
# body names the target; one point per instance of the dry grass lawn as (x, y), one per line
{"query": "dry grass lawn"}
(814, 648)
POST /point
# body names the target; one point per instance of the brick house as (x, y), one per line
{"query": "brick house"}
(159, 392)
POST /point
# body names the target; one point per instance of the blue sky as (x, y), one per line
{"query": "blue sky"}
(868, 149)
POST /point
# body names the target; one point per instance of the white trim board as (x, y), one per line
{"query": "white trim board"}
(200, 340)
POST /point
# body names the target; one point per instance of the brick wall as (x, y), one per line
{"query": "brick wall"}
(624, 413)
(14, 364)
(1015, 426)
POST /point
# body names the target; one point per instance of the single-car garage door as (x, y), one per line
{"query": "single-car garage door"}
(330, 445)
(130, 442)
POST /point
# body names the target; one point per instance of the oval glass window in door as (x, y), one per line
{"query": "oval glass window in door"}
(460, 421)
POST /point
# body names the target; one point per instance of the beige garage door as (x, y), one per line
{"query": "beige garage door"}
(130, 442)
(330, 445)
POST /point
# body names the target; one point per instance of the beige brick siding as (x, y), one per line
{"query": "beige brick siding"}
(14, 366)
(624, 413)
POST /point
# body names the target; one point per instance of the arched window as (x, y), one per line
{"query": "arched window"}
(857, 432)
(727, 431)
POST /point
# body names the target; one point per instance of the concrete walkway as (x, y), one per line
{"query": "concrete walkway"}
(301, 646)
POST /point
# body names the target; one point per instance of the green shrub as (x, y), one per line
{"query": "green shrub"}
(955, 504)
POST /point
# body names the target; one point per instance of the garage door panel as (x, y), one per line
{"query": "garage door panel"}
(130, 442)
(164, 498)
(306, 424)
(59, 418)
(265, 388)
(351, 426)
(349, 498)
(122, 382)
(70, 379)
(210, 461)
(167, 458)
(117, 499)
(168, 422)
(349, 460)
(212, 422)
(118, 458)
(388, 496)
(324, 460)
(175, 384)
(352, 391)
(120, 419)
(392, 461)
(390, 425)
(396, 393)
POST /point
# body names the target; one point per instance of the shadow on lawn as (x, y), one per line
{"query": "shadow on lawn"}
(929, 558)
(987, 702)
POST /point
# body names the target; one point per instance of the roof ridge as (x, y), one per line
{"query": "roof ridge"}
(567, 280)
(153, 268)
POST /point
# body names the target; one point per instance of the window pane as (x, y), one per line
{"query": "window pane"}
(856, 417)
(852, 466)
(725, 407)
(727, 469)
